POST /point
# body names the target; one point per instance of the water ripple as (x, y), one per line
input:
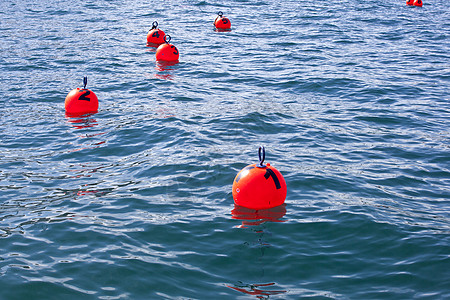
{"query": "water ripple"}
(349, 98)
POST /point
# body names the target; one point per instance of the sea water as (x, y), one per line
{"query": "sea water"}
(349, 98)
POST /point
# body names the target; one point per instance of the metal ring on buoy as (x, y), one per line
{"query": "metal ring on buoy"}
(261, 158)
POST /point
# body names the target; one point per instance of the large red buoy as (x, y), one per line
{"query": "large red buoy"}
(167, 51)
(81, 101)
(259, 186)
(155, 36)
(418, 3)
(221, 22)
(409, 2)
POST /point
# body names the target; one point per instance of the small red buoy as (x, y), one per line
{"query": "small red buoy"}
(155, 36)
(259, 186)
(409, 2)
(221, 22)
(418, 3)
(81, 101)
(167, 51)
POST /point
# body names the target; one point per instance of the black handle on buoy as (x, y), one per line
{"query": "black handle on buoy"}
(154, 25)
(165, 40)
(220, 14)
(85, 82)
(261, 157)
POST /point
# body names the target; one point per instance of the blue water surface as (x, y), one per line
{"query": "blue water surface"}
(350, 99)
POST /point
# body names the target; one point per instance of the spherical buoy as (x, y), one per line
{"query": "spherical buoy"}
(81, 101)
(418, 3)
(155, 36)
(409, 2)
(221, 22)
(167, 51)
(259, 186)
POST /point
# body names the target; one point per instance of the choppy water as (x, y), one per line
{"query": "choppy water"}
(350, 99)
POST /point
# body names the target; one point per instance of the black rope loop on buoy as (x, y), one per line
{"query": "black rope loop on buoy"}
(165, 38)
(85, 81)
(154, 25)
(262, 157)
(220, 14)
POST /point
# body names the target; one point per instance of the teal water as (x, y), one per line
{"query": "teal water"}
(350, 99)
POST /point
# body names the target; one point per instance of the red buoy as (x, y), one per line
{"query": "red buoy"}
(259, 186)
(418, 3)
(167, 51)
(155, 36)
(221, 22)
(81, 101)
(409, 2)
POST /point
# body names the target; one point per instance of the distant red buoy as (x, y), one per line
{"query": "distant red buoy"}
(259, 186)
(409, 2)
(221, 22)
(155, 36)
(418, 3)
(81, 101)
(167, 51)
